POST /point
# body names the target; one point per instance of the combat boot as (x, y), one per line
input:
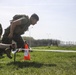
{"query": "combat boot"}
(8, 52)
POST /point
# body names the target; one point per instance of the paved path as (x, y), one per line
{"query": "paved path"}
(56, 50)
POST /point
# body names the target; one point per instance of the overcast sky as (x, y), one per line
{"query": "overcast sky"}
(57, 17)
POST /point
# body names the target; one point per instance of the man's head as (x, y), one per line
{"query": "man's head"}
(34, 18)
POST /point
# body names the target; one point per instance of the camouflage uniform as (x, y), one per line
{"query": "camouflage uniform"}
(1, 29)
(18, 31)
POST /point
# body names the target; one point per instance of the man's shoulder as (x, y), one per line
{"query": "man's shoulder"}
(15, 17)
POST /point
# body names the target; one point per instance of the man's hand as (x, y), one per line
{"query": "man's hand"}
(10, 35)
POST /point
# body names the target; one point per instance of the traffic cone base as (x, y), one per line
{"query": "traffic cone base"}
(27, 57)
(26, 53)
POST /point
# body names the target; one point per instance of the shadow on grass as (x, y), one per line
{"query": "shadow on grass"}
(30, 64)
(0, 67)
(1, 57)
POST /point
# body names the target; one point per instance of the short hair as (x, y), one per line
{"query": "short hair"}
(35, 16)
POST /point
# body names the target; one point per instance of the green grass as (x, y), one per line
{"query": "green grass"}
(41, 63)
(56, 47)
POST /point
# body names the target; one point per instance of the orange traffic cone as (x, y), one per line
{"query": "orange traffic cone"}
(26, 52)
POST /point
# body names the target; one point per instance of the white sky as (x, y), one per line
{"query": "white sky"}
(57, 17)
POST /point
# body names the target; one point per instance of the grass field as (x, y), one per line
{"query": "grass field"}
(41, 63)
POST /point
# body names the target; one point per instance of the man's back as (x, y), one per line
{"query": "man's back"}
(20, 28)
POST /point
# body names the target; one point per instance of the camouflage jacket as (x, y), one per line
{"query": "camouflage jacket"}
(20, 29)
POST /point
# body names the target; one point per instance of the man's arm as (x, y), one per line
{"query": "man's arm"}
(15, 23)
(12, 27)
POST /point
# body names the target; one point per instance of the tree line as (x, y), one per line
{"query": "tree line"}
(41, 42)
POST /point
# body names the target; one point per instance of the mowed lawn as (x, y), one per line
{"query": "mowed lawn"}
(41, 63)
